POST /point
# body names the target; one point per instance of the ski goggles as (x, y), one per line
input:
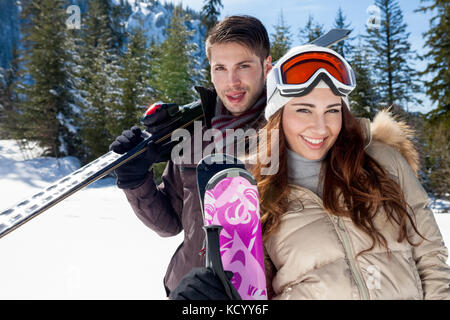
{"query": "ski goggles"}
(302, 68)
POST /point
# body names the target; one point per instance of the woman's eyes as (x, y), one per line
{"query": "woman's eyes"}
(309, 111)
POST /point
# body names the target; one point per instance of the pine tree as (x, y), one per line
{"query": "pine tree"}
(281, 39)
(9, 31)
(311, 31)
(436, 155)
(76, 69)
(43, 84)
(134, 84)
(437, 124)
(343, 47)
(175, 65)
(396, 79)
(8, 99)
(438, 42)
(100, 74)
(98, 30)
(364, 98)
(210, 13)
(119, 14)
(155, 54)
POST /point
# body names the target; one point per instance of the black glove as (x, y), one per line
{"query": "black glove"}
(133, 173)
(201, 284)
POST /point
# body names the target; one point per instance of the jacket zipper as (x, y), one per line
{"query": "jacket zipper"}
(343, 235)
(348, 252)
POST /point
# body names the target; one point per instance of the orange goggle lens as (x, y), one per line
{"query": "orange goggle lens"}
(300, 68)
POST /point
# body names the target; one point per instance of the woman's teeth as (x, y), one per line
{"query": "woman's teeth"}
(313, 141)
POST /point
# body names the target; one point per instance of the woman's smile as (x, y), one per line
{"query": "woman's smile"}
(314, 143)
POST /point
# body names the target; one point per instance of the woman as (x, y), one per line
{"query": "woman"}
(345, 216)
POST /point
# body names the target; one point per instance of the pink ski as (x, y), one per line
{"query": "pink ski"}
(231, 201)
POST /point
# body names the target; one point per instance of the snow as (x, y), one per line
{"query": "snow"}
(89, 246)
(440, 205)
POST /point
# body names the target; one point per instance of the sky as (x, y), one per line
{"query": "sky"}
(296, 13)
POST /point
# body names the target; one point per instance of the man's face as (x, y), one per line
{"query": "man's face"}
(238, 75)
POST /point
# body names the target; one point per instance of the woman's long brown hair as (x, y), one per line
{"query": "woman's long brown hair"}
(354, 184)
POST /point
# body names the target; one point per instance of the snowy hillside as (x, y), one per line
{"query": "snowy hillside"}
(155, 18)
(90, 246)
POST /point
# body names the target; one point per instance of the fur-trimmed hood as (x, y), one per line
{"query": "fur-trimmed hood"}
(387, 129)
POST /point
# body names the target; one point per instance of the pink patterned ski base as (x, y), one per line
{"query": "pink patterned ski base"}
(234, 204)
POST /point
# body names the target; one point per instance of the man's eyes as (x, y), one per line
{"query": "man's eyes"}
(242, 66)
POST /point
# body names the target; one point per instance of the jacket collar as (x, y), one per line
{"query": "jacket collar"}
(208, 98)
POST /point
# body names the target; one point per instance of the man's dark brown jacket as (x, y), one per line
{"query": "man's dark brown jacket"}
(174, 205)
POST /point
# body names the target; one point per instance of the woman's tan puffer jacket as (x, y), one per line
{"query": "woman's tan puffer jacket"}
(312, 254)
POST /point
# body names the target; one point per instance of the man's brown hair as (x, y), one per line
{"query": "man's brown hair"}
(243, 29)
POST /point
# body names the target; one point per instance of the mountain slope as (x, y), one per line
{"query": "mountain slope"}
(154, 16)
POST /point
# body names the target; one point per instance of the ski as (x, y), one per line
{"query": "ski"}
(331, 37)
(162, 119)
(230, 206)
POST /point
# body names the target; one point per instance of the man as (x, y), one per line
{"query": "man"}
(238, 51)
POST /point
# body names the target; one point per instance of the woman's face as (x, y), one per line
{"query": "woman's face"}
(312, 123)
